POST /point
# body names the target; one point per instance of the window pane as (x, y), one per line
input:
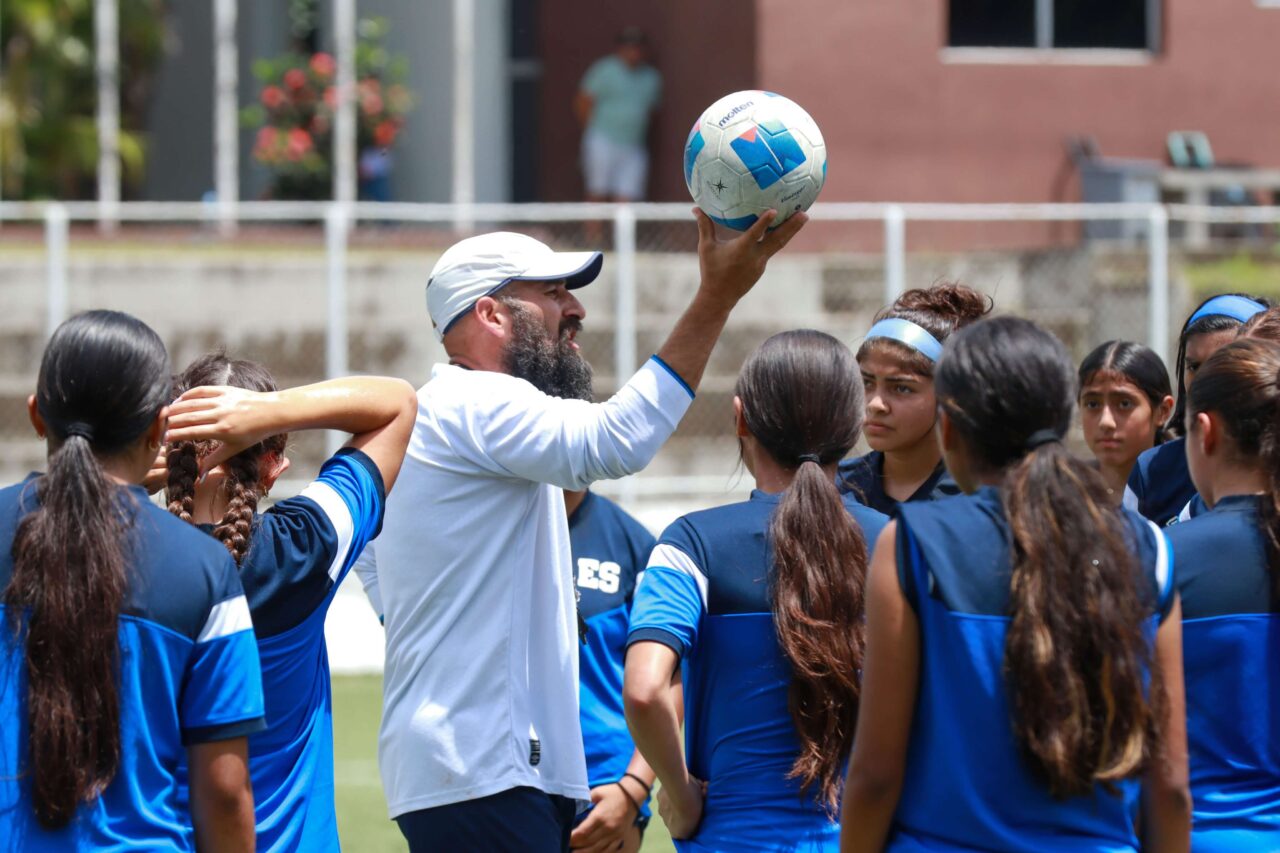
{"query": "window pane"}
(1100, 23)
(991, 23)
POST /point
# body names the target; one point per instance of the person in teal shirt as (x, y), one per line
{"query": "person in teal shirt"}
(615, 100)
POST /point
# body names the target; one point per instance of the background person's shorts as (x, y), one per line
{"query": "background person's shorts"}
(613, 170)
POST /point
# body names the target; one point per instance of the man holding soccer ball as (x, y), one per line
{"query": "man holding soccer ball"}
(481, 747)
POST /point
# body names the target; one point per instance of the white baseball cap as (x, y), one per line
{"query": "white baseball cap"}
(482, 265)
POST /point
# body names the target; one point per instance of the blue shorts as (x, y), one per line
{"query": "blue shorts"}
(513, 821)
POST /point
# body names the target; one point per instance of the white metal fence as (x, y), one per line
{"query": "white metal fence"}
(1069, 281)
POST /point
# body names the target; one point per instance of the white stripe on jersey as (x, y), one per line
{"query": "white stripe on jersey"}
(1129, 500)
(1163, 575)
(335, 509)
(670, 557)
(226, 618)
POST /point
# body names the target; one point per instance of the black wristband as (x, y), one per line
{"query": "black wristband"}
(627, 794)
(648, 789)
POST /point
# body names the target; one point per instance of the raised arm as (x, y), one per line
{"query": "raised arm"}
(730, 268)
(378, 411)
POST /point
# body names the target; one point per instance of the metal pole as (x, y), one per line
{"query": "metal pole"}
(895, 252)
(336, 223)
(344, 125)
(464, 131)
(106, 27)
(55, 248)
(226, 135)
(624, 332)
(1044, 24)
(1158, 281)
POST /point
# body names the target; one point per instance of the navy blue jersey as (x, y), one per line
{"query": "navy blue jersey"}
(1160, 486)
(610, 549)
(188, 674)
(1231, 660)
(300, 550)
(863, 478)
(705, 594)
(967, 785)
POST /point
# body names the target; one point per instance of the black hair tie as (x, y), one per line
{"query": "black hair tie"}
(810, 457)
(1041, 437)
(79, 429)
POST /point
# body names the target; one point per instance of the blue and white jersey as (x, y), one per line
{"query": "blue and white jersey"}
(300, 551)
(610, 549)
(705, 594)
(863, 477)
(967, 784)
(188, 674)
(1160, 486)
(1231, 661)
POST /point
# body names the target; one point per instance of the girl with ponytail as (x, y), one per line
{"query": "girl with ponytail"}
(1017, 694)
(1229, 582)
(760, 607)
(897, 361)
(1159, 486)
(227, 434)
(126, 650)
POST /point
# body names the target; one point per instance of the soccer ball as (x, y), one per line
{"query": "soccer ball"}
(752, 151)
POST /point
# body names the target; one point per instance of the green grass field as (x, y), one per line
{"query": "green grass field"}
(362, 811)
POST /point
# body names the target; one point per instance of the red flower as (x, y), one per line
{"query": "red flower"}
(371, 103)
(265, 148)
(299, 144)
(323, 66)
(384, 134)
(295, 78)
(272, 97)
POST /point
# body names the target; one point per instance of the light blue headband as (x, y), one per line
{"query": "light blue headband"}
(1228, 305)
(907, 332)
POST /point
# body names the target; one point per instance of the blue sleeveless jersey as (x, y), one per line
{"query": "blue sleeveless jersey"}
(1231, 658)
(610, 549)
(1160, 486)
(705, 594)
(967, 784)
(863, 478)
(188, 674)
(300, 551)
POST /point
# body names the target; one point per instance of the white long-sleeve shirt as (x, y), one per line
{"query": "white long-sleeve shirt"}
(473, 578)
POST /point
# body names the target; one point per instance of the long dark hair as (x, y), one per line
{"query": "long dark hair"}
(244, 470)
(103, 380)
(1075, 657)
(1241, 383)
(801, 397)
(1205, 325)
(939, 310)
(1136, 364)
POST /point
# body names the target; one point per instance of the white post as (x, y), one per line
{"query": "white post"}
(464, 131)
(895, 252)
(1158, 281)
(335, 340)
(624, 331)
(344, 125)
(107, 59)
(1044, 24)
(226, 146)
(55, 249)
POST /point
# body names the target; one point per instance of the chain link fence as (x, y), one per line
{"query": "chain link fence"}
(312, 291)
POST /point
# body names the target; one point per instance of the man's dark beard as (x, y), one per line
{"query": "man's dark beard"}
(553, 367)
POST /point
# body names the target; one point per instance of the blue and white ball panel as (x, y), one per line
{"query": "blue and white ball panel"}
(752, 151)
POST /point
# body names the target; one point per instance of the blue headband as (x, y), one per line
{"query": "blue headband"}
(1235, 307)
(907, 332)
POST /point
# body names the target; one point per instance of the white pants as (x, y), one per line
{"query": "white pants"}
(613, 170)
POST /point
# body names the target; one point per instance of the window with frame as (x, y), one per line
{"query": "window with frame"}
(1053, 24)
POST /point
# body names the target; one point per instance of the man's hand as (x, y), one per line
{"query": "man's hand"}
(730, 268)
(609, 824)
(681, 810)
